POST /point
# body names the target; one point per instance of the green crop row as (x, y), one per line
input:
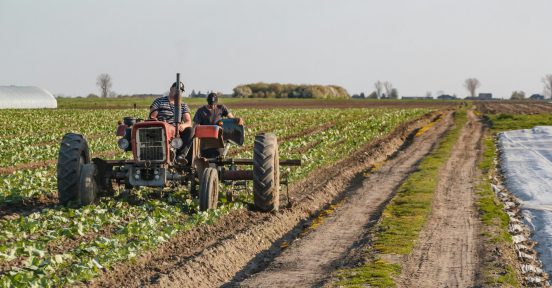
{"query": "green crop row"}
(99, 127)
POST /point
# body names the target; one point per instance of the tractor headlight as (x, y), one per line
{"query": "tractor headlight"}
(123, 143)
(177, 143)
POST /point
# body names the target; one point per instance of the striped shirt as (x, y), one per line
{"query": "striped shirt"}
(165, 109)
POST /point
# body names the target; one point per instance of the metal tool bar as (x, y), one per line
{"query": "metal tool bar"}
(237, 175)
(290, 162)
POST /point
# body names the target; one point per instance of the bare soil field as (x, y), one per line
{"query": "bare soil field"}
(513, 107)
(245, 242)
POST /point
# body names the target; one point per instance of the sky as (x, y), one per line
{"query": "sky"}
(419, 46)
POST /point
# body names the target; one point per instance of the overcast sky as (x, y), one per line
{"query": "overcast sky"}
(419, 46)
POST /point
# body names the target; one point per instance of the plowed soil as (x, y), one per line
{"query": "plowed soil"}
(244, 242)
(514, 107)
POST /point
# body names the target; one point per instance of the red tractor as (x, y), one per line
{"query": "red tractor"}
(154, 145)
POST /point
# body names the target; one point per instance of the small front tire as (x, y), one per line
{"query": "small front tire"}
(208, 190)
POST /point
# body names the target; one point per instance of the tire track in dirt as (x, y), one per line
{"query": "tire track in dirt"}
(446, 254)
(210, 255)
(310, 261)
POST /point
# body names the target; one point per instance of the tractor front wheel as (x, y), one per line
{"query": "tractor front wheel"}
(208, 189)
(266, 173)
(88, 187)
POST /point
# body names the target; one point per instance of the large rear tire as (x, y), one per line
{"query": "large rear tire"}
(88, 187)
(266, 173)
(208, 190)
(73, 154)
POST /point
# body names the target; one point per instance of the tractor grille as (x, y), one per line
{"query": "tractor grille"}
(151, 144)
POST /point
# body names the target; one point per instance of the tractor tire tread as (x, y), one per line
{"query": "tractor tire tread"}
(266, 172)
(72, 147)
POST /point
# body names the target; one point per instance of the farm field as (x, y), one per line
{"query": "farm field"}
(47, 245)
(258, 103)
(394, 175)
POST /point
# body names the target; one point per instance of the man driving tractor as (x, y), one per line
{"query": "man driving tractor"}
(163, 109)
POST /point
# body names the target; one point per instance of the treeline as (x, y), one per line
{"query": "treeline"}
(276, 90)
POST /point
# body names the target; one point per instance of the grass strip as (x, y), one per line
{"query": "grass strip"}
(404, 217)
(494, 271)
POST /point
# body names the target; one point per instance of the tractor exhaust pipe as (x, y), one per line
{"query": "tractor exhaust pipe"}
(177, 112)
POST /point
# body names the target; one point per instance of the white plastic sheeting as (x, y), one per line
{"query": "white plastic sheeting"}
(526, 162)
(26, 97)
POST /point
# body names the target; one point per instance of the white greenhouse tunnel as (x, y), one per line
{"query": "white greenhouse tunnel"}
(526, 162)
(21, 97)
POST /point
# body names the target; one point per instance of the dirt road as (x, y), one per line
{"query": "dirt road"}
(310, 260)
(446, 254)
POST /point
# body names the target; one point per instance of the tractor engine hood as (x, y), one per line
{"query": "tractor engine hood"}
(151, 141)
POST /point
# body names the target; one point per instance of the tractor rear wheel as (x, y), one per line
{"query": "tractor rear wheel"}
(88, 187)
(266, 173)
(208, 189)
(73, 155)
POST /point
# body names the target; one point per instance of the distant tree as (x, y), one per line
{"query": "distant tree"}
(547, 80)
(394, 94)
(362, 95)
(92, 95)
(373, 95)
(242, 91)
(112, 94)
(471, 84)
(104, 82)
(388, 88)
(379, 88)
(428, 94)
(517, 95)
(193, 94)
(277, 90)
